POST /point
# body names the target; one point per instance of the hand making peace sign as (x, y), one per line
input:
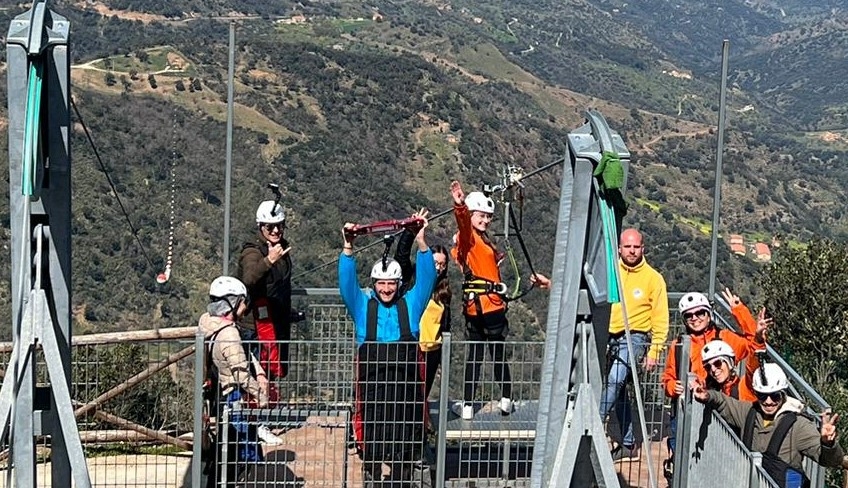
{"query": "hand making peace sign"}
(828, 428)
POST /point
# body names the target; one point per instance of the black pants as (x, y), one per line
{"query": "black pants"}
(390, 409)
(487, 332)
(432, 360)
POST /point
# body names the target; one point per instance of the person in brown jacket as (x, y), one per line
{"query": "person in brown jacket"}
(776, 426)
(265, 267)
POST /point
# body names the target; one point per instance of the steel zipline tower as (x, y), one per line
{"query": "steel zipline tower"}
(38, 72)
(571, 447)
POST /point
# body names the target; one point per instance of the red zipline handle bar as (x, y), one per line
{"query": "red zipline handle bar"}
(412, 224)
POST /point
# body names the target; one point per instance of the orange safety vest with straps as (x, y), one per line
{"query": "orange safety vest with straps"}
(478, 260)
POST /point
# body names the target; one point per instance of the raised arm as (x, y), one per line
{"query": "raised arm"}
(425, 276)
(741, 314)
(402, 254)
(348, 284)
(464, 236)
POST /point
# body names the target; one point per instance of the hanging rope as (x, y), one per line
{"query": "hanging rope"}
(164, 276)
(516, 293)
(111, 183)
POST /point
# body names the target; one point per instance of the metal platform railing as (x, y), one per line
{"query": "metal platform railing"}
(137, 419)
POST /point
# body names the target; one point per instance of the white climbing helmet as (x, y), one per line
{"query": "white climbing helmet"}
(477, 201)
(692, 301)
(718, 349)
(775, 379)
(392, 270)
(224, 286)
(270, 213)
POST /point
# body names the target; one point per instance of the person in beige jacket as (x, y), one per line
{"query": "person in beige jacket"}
(239, 376)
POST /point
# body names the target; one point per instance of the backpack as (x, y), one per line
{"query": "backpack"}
(211, 394)
(772, 464)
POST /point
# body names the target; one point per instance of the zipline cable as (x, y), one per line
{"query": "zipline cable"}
(111, 183)
(367, 246)
(432, 218)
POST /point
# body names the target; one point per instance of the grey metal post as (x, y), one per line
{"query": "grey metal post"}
(444, 388)
(229, 170)
(722, 108)
(683, 417)
(568, 427)
(40, 208)
(199, 364)
(756, 460)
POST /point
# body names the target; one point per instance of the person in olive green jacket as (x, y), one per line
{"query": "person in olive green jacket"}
(776, 426)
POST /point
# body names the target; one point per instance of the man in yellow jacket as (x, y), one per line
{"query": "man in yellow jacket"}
(646, 304)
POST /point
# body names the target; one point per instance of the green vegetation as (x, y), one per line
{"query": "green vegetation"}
(348, 26)
(811, 319)
(332, 109)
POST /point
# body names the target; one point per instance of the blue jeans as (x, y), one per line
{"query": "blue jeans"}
(615, 391)
(246, 439)
(672, 429)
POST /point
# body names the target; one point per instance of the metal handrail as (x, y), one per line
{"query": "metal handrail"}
(798, 385)
(797, 381)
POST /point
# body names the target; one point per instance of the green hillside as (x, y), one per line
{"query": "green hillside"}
(367, 112)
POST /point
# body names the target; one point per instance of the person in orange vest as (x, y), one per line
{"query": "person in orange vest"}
(484, 297)
(719, 359)
(697, 313)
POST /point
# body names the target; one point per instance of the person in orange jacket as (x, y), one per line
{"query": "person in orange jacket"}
(697, 315)
(483, 293)
(719, 359)
(697, 312)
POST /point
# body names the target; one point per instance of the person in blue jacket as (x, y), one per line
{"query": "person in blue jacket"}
(389, 411)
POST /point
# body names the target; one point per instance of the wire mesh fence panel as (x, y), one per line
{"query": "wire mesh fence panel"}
(491, 422)
(134, 403)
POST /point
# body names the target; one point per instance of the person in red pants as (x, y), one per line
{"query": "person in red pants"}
(265, 267)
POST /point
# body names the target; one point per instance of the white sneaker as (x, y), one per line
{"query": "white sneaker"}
(467, 411)
(464, 410)
(268, 437)
(506, 406)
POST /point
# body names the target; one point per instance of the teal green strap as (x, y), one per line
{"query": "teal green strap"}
(32, 128)
(610, 244)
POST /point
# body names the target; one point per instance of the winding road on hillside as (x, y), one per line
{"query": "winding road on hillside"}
(646, 146)
(90, 65)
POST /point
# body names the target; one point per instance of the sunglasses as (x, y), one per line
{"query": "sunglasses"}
(775, 396)
(272, 227)
(699, 314)
(716, 364)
